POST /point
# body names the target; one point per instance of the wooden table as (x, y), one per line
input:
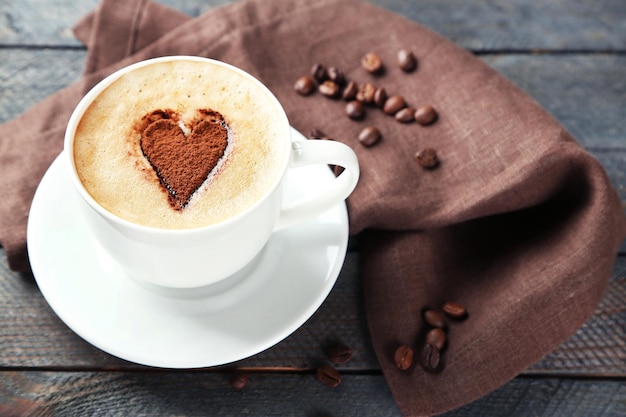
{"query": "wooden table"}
(570, 55)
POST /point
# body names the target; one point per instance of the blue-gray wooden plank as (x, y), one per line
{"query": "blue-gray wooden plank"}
(480, 25)
(189, 394)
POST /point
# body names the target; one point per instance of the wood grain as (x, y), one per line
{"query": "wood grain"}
(563, 25)
(585, 93)
(30, 75)
(54, 394)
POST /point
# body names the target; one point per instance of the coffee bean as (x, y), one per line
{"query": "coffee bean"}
(427, 158)
(403, 357)
(317, 134)
(355, 110)
(406, 60)
(430, 358)
(319, 73)
(304, 85)
(436, 337)
(426, 115)
(239, 380)
(405, 115)
(434, 318)
(369, 136)
(380, 96)
(329, 89)
(454, 310)
(339, 354)
(366, 93)
(328, 376)
(350, 91)
(393, 104)
(336, 75)
(372, 63)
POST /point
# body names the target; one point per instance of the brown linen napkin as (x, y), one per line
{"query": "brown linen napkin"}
(518, 222)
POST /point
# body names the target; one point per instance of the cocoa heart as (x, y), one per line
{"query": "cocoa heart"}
(183, 162)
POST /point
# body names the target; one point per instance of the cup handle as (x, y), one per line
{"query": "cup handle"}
(315, 152)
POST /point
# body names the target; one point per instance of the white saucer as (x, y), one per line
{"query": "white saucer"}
(267, 302)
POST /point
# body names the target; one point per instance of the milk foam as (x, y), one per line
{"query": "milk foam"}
(115, 172)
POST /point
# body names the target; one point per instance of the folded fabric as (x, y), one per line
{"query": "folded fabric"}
(517, 222)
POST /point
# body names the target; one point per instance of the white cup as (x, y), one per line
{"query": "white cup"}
(188, 258)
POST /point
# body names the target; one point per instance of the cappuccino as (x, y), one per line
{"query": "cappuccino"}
(180, 144)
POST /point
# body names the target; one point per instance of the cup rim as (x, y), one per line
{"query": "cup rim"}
(89, 97)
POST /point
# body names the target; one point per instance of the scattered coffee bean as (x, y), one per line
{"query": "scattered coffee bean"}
(239, 380)
(304, 85)
(431, 353)
(329, 89)
(319, 73)
(434, 318)
(393, 104)
(380, 96)
(406, 60)
(350, 91)
(403, 357)
(366, 93)
(405, 115)
(336, 75)
(430, 358)
(426, 115)
(427, 158)
(328, 376)
(436, 337)
(369, 136)
(339, 354)
(454, 310)
(355, 110)
(372, 63)
(317, 134)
